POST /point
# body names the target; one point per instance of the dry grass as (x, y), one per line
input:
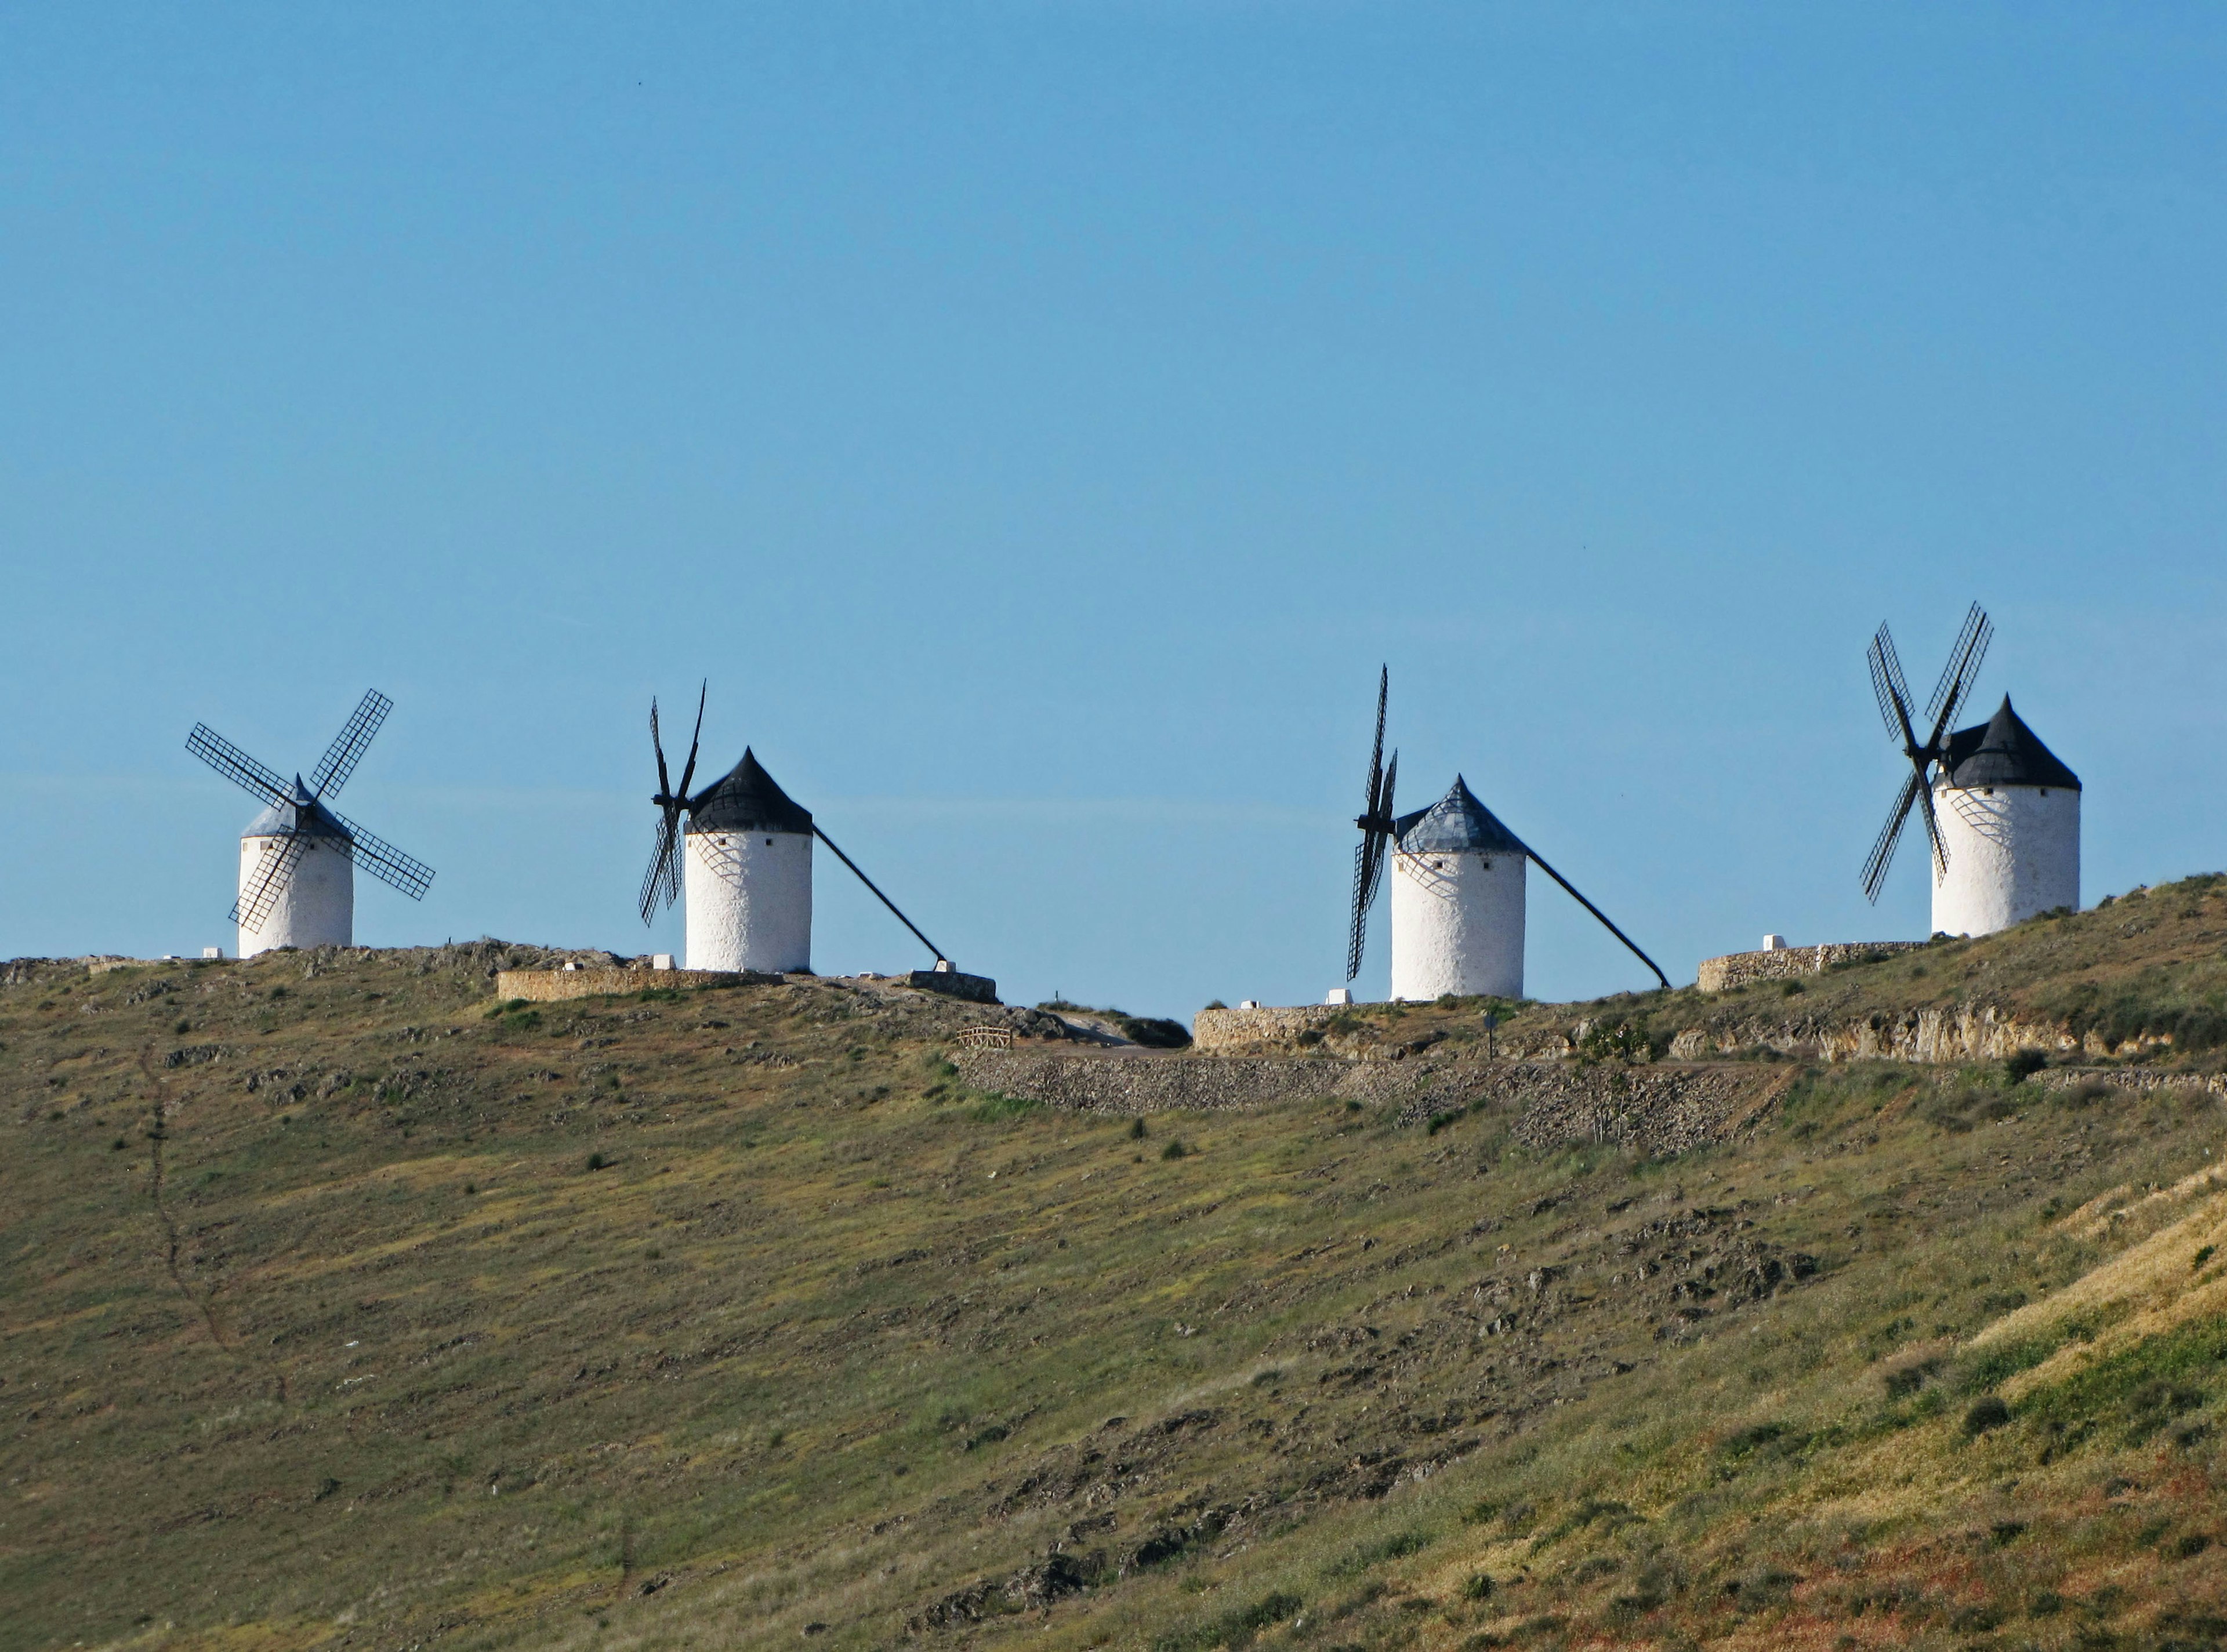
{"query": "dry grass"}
(829, 1340)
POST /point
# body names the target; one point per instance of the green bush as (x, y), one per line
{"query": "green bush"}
(1988, 1413)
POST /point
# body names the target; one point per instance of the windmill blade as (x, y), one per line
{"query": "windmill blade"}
(878, 895)
(236, 765)
(1933, 833)
(1876, 863)
(1366, 867)
(383, 860)
(1889, 689)
(664, 786)
(1968, 636)
(1962, 672)
(1376, 827)
(1602, 916)
(273, 874)
(660, 884)
(347, 750)
(688, 773)
(1377, 750)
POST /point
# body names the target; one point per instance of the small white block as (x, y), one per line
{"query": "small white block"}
(1248, 1004)
(212, 952)
(660, 960)
(943, 967)
(1774, 943)
(572, 963)
(1339, 995)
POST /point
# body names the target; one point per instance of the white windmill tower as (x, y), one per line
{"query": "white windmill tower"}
(1459, 878)
(2002, 814)
(297, 859)
(748, 849)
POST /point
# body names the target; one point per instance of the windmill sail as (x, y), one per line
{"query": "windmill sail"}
(1950, 693)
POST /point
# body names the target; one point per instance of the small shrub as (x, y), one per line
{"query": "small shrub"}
(1988, 1413)
(1136, 1130)
(1175, 1149)
(1792, 989)
(1478, 1586)
(1216, 1004)
(597, 1161)
(2203, 1255)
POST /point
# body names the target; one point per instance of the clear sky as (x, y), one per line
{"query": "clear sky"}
(1038, 421)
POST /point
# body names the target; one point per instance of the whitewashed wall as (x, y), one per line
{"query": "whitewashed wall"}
(750, 900)
(1458, 924)
(317, 909)
(2013, 854)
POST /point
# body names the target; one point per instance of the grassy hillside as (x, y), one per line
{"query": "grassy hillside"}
(339, 1311)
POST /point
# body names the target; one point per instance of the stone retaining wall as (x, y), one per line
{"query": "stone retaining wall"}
(1661, 1108)
(548, 985)
(1738, 968)
(1236, 1029)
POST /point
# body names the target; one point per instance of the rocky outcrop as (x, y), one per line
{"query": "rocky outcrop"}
(1964, 1032)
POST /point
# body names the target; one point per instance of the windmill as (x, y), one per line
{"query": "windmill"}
(1895, 705)
(1458, 894)
(748, 846)
(2002, 813)
(298, 857)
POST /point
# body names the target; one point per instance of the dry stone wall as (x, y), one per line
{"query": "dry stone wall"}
(1781, 963)
(1235, 1029)
(548, 985)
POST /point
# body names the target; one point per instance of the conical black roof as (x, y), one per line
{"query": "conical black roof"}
(747, 799)
(2004, 752)
(1456, 823)
(300, 813)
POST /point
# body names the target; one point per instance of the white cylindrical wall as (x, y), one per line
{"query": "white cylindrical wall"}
(1458, 924)
(2014, 854)
(750, 900)
(315, 908)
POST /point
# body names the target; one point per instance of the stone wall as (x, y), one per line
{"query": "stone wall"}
(1660, 1108)
(547, 985)
(1239, 1028)
(1738, 968)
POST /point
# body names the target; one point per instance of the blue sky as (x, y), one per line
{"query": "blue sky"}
(1038, 422)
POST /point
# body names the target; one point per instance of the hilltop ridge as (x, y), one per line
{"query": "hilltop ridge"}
(348, 1305)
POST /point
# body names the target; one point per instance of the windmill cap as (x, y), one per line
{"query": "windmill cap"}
(2003, 751)
(747, 799)
(300, 813)
(1456, 823)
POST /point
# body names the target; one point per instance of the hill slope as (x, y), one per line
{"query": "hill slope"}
(341, 1311)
